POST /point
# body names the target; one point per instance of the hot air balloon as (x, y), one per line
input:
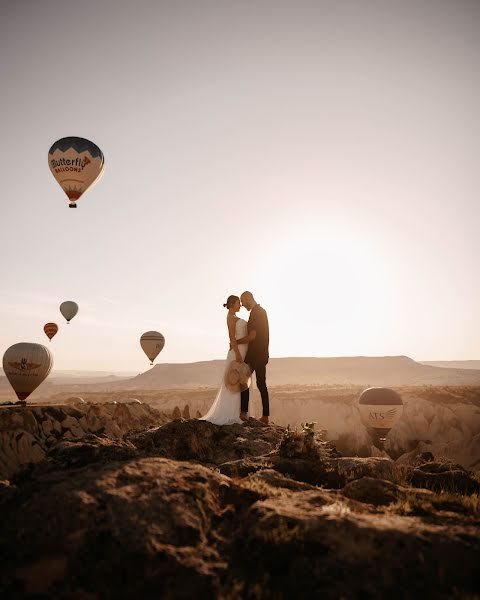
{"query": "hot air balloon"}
(152, 343)
(123, 400)
(75, 400)
(380, 408)
(69, 309)
(26, 366)
(50, 329)
(76, 163)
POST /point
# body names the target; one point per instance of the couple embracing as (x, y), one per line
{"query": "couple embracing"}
(248, 353)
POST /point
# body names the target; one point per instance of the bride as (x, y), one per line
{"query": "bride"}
(226, 408)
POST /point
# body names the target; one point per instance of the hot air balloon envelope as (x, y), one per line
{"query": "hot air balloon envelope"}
(26, 365)
(76, 163)
(152, 343)
(69, 309)
(75, 400)
(380, 408)
(50, 330)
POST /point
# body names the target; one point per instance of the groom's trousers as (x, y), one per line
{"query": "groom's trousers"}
(261, 375)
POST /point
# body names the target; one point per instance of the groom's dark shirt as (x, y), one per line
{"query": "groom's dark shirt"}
(257, 353)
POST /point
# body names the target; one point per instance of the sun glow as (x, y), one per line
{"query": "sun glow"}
(327, 294)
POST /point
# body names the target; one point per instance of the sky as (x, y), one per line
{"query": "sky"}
(324, 155)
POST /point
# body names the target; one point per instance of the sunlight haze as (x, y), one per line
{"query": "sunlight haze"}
(247, 146)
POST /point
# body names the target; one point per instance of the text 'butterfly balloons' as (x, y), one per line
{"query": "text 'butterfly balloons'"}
(76, 163)
(380, 408)
(50, 330)
(26, 365)
(68, 309)
(152, 343)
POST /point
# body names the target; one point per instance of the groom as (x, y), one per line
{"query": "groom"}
(257, 353)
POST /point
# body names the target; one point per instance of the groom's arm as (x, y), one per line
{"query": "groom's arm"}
(248, 338)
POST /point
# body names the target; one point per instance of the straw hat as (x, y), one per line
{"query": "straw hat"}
(238, 376)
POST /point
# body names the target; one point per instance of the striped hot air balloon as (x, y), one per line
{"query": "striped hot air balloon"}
(50, 330)
(152, 343)
(77, 164)
(26, 365)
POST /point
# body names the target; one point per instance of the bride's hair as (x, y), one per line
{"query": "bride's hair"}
(231, 301)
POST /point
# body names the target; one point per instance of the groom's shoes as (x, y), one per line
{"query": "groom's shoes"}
(264, 420)
(243, 416)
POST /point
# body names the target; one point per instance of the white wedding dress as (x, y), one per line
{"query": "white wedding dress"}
(226, 408)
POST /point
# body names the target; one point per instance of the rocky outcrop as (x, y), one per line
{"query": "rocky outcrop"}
(444, 477)
(318, 544)
(141, 527)
(144, 528)
(378, 492)
(142, 517)
(203, 442)
(28, 432)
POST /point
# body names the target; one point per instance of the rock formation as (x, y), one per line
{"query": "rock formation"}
(27, 433)
(192, 510)
(445, 422)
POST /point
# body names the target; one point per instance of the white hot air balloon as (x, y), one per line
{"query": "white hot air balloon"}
(380, 408)
(26, 365)
(152, 343)
(75, 401)
(121, 400)
(68, 309)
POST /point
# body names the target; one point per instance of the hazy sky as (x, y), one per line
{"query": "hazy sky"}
(325, 155)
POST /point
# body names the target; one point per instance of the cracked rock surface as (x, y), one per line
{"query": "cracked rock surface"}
(192, 510)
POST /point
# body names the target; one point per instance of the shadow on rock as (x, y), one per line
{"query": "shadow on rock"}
(207, 443)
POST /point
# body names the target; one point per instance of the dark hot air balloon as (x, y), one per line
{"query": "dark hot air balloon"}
(50, 330)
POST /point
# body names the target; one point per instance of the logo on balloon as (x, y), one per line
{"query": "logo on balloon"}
(67, 164)
(76, 164)
(383, 415)
(24, 365)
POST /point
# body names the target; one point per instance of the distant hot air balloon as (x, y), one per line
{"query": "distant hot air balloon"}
(26, 365)
(74, 400)
(380, 408)
(152, 343)
(68, 309)
(50, 330)
(123, 400)
(76, 163)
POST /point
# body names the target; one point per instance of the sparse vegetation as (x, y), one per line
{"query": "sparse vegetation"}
(420, 503)
(299, 444)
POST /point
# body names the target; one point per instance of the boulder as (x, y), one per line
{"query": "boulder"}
(444, 477)
(379, 492)
(298, 544)
(207, 443)
(351, 468)
(133, 530)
